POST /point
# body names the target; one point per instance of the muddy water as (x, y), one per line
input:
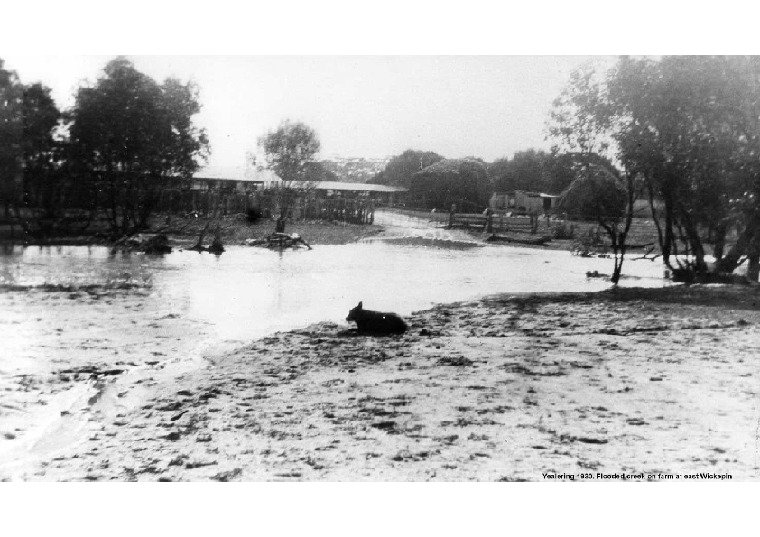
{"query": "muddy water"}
(250, 292)
(185, 304)
(63, 308)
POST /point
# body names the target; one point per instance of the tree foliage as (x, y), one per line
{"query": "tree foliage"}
(128, 122)
(452, 181)
(11, 128)
(290, 149)
(29, 155)
(532, 170)
(689, 126)
(316, 171)
(581, 117)
(401, 168)
(43, 156)
(688, 129)
(132, 132)
(599, 196)
(582, 125)
(40, 118)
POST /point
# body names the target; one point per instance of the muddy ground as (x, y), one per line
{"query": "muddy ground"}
(184, 230)
(505, 388)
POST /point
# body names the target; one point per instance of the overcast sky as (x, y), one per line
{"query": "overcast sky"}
(362, 106)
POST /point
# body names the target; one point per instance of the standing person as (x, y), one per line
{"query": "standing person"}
(452, 212)
(279, 225)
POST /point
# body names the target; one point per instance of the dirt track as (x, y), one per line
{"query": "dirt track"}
(505, 388)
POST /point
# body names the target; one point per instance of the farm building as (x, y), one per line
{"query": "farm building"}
(236, 178)
(383, 193)
(237, 190)
(523, 202)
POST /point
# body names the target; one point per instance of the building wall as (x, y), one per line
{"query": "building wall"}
(521, 201)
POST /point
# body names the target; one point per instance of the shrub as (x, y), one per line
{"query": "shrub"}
(563, 230)
(590, 244)
(253, 215)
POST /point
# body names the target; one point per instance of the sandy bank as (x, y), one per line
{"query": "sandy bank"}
(503, 388)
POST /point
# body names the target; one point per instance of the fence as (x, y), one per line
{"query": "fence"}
(88, 209)
(643, 230)
(267, 204)
(500, 222)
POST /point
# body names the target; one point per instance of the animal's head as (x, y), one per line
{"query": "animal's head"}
(355, 313)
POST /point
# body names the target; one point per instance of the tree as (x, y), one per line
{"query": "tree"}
(399, 170)
(460, 181)
(526, 171)
(290, 149)
(131, 134)
(42, 154)
(689, 126)
(532, 170)
(11, 128)
(601, 195)
(561, 171)
(316, 171)
(28, 153)
(582, 125)
(581, 117)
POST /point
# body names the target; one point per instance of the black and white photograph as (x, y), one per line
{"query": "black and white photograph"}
(379, 267)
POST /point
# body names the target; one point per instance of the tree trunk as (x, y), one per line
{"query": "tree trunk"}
(730, 261)
(719, 240)
(667, 242)
(753, 267)
(695, 242)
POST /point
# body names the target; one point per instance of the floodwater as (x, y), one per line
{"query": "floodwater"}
(186, 303)
(67, 307)
(249, 292)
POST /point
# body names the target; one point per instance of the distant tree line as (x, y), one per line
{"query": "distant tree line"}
(460, 182)
(531, 170)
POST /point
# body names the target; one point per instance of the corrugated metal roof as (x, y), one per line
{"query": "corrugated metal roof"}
(355, 187)
(236, 173)
(254, 175)
(527, 193)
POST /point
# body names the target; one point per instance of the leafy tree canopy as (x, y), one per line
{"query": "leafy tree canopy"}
(316, 171)
(28, 116)
(128, 122)
(461, 181)
(11, 101)
(690, 126)
(399, 171)
(290, 149)
(40, 118)
(532, 170)
(599, 195)
(581, 117)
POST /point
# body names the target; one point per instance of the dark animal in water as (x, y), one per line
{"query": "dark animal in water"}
(376, 322)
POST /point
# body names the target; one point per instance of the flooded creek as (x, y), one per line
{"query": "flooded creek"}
(251, 292)
(70, 313)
